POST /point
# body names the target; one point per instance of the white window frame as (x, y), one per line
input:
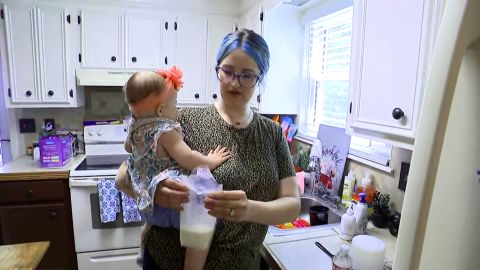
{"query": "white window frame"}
(363, 150)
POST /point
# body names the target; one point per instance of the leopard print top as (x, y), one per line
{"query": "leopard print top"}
(260, 158)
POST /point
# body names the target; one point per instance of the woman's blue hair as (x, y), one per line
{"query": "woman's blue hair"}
(251, 43)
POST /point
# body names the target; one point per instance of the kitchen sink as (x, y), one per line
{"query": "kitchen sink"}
(334, 215)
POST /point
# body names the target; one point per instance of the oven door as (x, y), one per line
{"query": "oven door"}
(90, 233)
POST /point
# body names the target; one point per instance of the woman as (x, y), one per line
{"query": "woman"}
(258, 180)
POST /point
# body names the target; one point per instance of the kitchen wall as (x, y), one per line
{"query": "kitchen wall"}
(100, 103)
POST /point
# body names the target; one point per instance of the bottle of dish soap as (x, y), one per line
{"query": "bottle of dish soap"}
(347, 225)
(360, 213)
(341, 260)
(367, 188)
(348, 185)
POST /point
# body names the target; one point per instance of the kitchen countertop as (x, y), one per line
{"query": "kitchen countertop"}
(22, 256)
(298, 251)
(25, 168)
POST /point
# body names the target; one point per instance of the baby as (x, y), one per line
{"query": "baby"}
(155, 142)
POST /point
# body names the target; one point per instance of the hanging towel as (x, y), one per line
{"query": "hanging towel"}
(108, 199)
(130, 209)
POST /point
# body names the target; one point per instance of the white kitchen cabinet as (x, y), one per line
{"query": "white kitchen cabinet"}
(391, 44)
(253, 20)
(191, 58)
(144, 35)
(40, 67)
(22, 53)
(103, 38)
(281, 28)
(218, 28)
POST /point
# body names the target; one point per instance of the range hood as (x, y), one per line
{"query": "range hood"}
(102, 77)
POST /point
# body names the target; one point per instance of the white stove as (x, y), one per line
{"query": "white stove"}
(105, 246)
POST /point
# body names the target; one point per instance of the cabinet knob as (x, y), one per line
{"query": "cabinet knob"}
(134, 59)
(53, 215)
(397, 113)
(113, 58)
(214, 96)
(197, 96)
(30, 193)
(70, 92)
(50, 93)
(28, 93)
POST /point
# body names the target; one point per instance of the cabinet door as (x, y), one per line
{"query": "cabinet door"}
(386, 70)
(253, 20)
(218, 28)
(20, 29)
(53, 45)
(191, 57)
(42, 222)
(144, 41)
(102, 38)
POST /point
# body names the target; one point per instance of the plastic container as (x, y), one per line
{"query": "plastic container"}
(341, 260)
(348, 185)
(367, 188)
(347, 225)
(196, 225)
(367, 253)
(361, 217)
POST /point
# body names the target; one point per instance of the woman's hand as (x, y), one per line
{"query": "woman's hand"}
(230, 205)
(171, 194)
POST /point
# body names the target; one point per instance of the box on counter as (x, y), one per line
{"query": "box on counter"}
(55, 150)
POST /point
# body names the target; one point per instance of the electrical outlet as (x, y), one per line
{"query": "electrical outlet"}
(402, 183)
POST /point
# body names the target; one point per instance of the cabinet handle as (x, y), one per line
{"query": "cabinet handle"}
(197, 96)
(397, 113)
(166, 60)
(214, 96)
(71, 93)
(258, 98)
(30, 193)
(28, 93)
(53, 215)
(134, 59)
(113, 58)
(50, 93)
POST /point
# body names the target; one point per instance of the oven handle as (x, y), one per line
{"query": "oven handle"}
(113, 258)
(83, 183)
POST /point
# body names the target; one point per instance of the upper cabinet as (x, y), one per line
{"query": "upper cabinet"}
(218, 28)
(144, 35)
(103, 38)
(281, 28)
(191, 58)
(38, 56)
(391, 44)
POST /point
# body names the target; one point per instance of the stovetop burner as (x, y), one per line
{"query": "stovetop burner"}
(84, 165)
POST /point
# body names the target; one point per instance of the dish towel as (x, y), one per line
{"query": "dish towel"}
(130, 209)
(108, 199)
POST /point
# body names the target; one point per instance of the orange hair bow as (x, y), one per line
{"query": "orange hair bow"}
(173, 77)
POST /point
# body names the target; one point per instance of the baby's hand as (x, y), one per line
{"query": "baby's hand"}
(218, 156)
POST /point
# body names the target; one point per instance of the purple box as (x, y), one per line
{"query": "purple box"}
(55, 150)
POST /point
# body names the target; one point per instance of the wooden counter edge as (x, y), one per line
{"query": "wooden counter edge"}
(26, 176)
(19, 249)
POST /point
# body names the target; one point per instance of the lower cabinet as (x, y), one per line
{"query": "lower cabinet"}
(39, 216)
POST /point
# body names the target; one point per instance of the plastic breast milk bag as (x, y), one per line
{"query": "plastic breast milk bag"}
(196, 225)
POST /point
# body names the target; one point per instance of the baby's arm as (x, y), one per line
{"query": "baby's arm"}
(187, 158)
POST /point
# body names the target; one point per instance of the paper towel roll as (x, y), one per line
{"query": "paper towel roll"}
(367, 253)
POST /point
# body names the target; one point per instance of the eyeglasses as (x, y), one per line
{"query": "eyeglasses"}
(244, 79)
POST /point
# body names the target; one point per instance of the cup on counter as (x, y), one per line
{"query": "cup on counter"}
(318, 215)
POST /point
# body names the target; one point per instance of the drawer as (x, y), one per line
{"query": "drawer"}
(30, 191)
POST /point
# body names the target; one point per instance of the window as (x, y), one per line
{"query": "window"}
(326, 72)
(327, 64)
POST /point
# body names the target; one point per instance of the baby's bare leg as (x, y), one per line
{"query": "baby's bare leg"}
(195, 259)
